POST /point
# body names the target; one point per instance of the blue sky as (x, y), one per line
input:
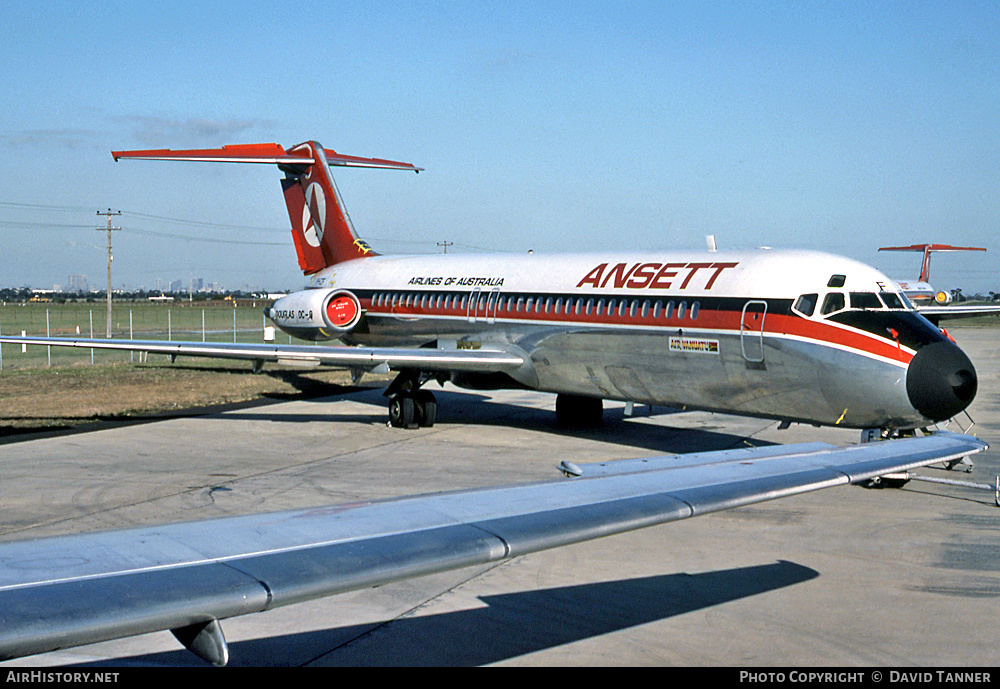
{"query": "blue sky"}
(549, 126)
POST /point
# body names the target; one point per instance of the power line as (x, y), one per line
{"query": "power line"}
(28, 225)
(147, 216)
(36, 206)
(204, 223)
(212, 240)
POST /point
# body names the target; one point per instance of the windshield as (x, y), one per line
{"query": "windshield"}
(892, 300)
(834, 302)
(865, 300)
(862, 301)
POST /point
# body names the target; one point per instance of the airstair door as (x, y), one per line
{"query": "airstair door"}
(752, 331)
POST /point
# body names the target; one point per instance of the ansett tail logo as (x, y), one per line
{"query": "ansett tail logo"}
(655, 275)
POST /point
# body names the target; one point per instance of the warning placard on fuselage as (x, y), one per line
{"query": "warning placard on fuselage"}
(694, 345)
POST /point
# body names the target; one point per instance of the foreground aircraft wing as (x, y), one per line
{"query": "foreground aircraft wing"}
(72, 590)
(364, 358)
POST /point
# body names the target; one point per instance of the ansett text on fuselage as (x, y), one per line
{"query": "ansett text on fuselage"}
(654, 275)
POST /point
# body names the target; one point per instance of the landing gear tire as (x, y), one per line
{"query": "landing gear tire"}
(401, 411)
(425, 408)
(412, 410)
(577, 411)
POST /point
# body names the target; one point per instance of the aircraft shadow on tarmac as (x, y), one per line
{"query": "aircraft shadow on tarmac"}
(508, 626)
(471, 408)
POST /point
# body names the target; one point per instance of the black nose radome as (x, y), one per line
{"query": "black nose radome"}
(941, 381)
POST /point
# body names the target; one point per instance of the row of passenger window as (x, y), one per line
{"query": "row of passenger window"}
(493, 304)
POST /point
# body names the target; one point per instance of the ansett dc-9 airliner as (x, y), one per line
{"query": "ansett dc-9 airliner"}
(796, 336)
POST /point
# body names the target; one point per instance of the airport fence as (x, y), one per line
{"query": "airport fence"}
(220, 321)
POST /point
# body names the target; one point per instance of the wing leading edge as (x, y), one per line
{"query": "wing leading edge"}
(72, 590)
(367, 358)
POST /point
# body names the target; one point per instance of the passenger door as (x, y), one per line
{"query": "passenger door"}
(752, 331)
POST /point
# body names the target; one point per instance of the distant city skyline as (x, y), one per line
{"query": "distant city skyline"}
(79, 282)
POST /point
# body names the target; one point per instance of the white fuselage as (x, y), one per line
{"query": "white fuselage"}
(791, 335)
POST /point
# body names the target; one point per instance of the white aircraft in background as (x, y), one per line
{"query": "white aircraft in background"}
(795, 336)
(789, 335)
(934, 304)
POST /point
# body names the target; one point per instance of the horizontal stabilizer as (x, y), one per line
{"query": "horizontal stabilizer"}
(932, 247)
(261, 153)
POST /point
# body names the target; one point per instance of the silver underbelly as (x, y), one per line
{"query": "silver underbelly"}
(771, 376)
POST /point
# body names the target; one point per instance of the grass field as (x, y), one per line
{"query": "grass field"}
(67, 387)
(215, 321)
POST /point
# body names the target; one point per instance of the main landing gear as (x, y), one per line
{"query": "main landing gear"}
(412, 409)
(409, 406)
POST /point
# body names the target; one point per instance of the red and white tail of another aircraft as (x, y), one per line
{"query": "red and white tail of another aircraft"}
(797, 336)
(936, 304)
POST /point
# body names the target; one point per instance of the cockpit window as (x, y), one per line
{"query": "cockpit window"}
(806, 304)
(837, 281)
(865, 300)
(834, 302)
(892, 300)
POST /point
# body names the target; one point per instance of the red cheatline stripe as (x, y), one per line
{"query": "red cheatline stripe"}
(727, 321)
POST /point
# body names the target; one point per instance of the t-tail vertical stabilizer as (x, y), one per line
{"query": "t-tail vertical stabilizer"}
(321, 228)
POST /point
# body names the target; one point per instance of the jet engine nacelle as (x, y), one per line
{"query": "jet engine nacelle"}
(942, 298)
(316, 314)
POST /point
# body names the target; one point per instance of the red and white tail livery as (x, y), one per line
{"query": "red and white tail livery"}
(321, 227)
(934, 304)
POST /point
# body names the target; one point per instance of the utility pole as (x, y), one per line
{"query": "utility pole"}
(445, 244)
(109, 229)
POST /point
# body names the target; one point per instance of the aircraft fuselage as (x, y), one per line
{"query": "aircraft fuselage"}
(790, 335)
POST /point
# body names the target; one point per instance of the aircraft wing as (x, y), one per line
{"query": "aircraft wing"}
(365, 358)
(941, 313)
(72, 590)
